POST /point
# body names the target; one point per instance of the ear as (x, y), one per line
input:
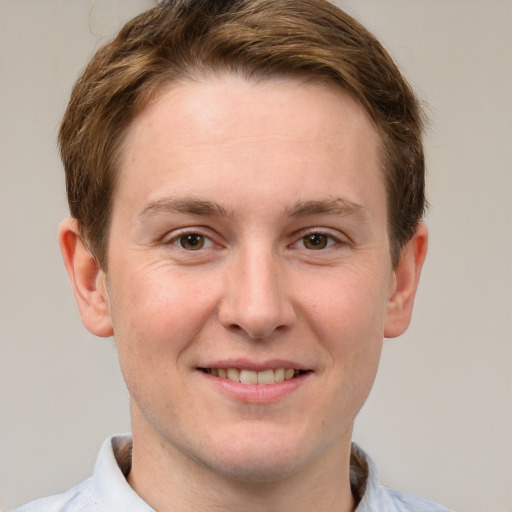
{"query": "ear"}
(405, 283)
(87, 279)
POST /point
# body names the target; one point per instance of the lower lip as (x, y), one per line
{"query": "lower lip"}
(257, 393)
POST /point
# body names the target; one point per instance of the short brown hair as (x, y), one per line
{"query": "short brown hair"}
(184, 40)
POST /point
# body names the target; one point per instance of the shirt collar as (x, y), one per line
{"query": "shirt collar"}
(113, 493)
(111, 490)
(364, 481)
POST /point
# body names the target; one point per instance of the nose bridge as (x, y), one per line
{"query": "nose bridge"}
(256, 299)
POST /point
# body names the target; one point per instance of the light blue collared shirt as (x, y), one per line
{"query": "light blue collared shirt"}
(108, 491)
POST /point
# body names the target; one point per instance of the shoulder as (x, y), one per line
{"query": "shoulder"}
(106, 490)
(401, 502)
(76, 499)
(374, 497)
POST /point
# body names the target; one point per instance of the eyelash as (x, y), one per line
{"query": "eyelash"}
(331, 240)
(206, 242)
(177, 238)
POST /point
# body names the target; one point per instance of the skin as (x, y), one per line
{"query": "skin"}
(254, 169)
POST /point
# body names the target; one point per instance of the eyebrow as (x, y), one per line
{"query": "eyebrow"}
(185, 205)
(337, 206)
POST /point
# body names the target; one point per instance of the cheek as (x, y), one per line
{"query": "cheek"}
(348, 317)
(352, 304)
(154, 314)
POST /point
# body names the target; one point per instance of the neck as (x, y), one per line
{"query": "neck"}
(169, 480)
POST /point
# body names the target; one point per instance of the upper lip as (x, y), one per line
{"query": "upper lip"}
(257, 366)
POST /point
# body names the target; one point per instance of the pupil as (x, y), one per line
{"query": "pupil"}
(315, 241)
(192, 241)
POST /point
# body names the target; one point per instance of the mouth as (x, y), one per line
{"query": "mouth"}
(263, 377)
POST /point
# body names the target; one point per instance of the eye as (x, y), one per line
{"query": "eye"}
(317, 241)
(192, 241)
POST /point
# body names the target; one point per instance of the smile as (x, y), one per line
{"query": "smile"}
(243, 376)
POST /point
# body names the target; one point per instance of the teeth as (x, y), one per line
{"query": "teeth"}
(269, 376)
(266, 377)
(248, 377)
(233, 374)
(289, 373)
(279, 375)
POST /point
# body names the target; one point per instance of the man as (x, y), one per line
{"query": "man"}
(246, 185)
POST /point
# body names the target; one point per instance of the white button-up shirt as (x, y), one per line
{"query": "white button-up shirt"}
(108, 491)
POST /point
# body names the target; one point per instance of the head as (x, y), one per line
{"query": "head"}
(190, 40)
(246, 179)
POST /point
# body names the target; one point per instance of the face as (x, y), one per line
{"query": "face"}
(249, 243)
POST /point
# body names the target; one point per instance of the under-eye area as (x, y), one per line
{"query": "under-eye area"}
(270, 376)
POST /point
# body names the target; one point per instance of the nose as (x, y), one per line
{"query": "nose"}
(256, 299)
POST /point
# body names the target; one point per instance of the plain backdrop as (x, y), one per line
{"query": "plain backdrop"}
(439, 420)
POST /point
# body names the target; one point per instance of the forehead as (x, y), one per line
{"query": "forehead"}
(254, 135)
(217, 104)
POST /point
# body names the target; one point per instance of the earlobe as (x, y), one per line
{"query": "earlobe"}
(87, 279)
(406, 278)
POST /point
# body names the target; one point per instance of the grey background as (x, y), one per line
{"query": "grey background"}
(439, 420)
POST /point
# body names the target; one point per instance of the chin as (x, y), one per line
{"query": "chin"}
(257, 470)
(260, 456)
